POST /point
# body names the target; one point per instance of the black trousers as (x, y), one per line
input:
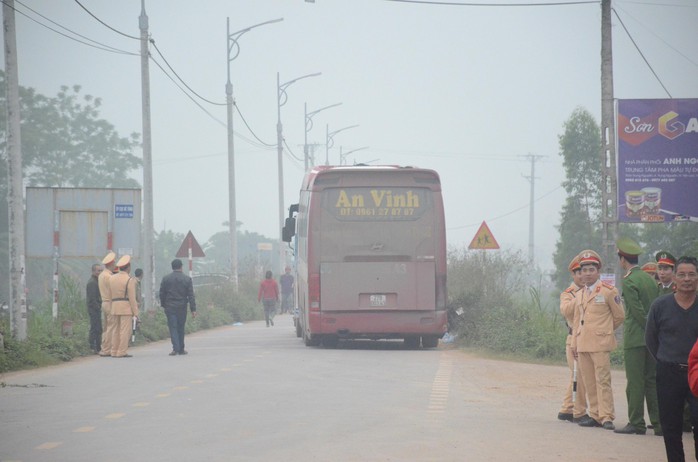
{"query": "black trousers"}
(95, 337)
(672, 393)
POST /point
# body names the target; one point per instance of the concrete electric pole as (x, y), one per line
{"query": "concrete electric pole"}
(531, 208)
(609, 186)
(148, 231)
(15, 196)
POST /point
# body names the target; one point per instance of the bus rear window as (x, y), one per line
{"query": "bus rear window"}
(377, 204)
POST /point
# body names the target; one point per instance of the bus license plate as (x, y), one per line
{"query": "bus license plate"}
(377, 300)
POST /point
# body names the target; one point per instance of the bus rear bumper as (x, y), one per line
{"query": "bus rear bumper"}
(379, 324)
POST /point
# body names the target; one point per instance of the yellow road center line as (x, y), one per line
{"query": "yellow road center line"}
(114, 416)
(84, 430)
(162, 395)
(210, 376)
(141, 404)
(49, 445)
(181, 387)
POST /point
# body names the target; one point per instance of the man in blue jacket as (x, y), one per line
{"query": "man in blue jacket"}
(176, 292)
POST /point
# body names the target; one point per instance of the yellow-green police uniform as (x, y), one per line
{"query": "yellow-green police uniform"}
(577, 408)
(599, 313)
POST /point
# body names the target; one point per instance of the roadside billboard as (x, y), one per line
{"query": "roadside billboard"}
(657, 160)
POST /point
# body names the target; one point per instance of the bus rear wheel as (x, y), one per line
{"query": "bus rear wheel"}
(430, 341)
(310, 340)
(299, 332)
(412, 342)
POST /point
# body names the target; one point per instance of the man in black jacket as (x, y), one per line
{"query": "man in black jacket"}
(176, 291)
(94, 309)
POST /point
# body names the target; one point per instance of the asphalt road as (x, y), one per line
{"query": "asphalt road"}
(251, 393)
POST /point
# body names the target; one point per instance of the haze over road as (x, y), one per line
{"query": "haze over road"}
(252, 393)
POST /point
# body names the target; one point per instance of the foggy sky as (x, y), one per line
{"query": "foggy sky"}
(467, 91)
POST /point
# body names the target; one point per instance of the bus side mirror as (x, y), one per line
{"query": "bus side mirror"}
(289, 230)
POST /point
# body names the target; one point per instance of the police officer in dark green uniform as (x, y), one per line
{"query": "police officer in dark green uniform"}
(665, 272)
(639, 291)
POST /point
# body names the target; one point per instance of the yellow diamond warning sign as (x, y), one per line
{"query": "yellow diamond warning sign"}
(483, 239)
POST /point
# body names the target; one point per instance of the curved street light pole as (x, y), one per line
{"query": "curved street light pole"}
(309, 126)
(329, 140)
(231, 41)
(281, 98)
(343, 156)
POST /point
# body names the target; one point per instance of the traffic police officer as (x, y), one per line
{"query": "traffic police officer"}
(639, 291)
(572, 410)
(124, 307)
(665, 272)
(105, 292)
(598, 313)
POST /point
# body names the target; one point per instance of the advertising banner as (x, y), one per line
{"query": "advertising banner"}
(657, 160)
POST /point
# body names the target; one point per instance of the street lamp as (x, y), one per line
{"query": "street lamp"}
(343, 156)
(329, 140)
(281, 98)
(231, 42)
(309, 126)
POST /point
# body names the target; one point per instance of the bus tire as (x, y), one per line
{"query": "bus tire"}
(412, 342)
(311, 340)
(299, 332)
(430, 341)
(330, 341)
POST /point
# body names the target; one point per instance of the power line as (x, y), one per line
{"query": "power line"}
(291, 152)
(250, 129)
(425, 2)
(660, 38)
(223, 124)
(101, 47)
(180, 79)
(640, 51)
(105, 24)
(508, 213)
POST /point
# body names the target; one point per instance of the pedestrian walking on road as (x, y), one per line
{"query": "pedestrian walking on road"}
(176, 292)
(639, 291)
(286, 283)
(109, 263)
(598, 313)
(94, 309)
(672, 331)
(124, 307)
(269, 295)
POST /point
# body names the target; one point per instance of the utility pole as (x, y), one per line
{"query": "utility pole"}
(15, 197)
(148, 231)
(531, 207)
(609, 209)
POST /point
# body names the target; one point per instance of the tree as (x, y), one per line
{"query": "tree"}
(579, 219)
(64, 144)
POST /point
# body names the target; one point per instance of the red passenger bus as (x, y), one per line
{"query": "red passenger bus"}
(370, 255)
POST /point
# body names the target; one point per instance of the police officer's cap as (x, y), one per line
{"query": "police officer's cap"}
(665, 258)
(650, 268)
(589, 257)
(574, 264)
(111, 256)
(124, 261)
(628, 247)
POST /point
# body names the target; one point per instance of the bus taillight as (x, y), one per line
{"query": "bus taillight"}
(314, 292)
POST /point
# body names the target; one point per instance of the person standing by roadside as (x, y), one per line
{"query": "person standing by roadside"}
(651, 268)
(665, 272)
(109, 263)
(572, 410)
(268, 294)
(139, 294)
(639, 291)
(672, 330)
(94, 309)
(123, 307)
(286, 283)
(598, 313)
(176, 292)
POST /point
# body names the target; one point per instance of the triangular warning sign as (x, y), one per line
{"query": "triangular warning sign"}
(190, 243)
(483, 239)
